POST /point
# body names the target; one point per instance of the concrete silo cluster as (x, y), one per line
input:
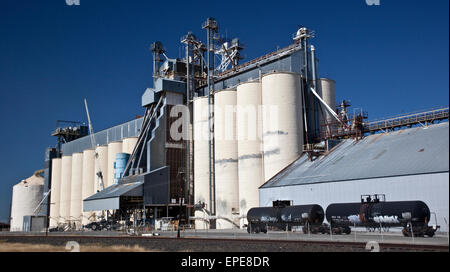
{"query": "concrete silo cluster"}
(258, 130)
(74, 178)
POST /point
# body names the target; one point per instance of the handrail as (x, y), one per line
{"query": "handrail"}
(410, 118)
(436, 109)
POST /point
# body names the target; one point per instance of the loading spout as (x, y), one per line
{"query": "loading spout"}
(327, 107)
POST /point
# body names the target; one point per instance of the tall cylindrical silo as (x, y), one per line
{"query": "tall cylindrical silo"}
(226, 160)
(76, 189)
(128, 145)
(120, 165)
(201, 160)
(113, 149)
(101, 165)
(327, 90)
(55, 194)
(282, 121)
(66, 177)
(249, 130)
(88, 187)
(26, 197)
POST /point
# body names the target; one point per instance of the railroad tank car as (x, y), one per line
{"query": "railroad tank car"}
(259, 218)
(308, 216)
(413, 216)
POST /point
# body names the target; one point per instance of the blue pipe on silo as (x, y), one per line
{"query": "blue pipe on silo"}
(119, 166)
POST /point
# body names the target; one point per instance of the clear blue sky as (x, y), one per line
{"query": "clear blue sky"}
(387, 59)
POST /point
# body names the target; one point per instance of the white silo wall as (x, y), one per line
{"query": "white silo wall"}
(26, 197)
(76, 188)
(55, 194)
(101, 165)
(282, 121)
(113, 149)
(201, 159)
(226, 160)
(128, 145)
(327, 90)
(249, 135)
(66, 177)
(88, 187)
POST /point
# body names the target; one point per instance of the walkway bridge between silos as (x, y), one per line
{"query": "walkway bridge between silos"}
(424, 118)
(419, 118)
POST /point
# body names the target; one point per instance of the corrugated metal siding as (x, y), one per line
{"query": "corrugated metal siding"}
(290, 63)
(104, 137)
(406, 152)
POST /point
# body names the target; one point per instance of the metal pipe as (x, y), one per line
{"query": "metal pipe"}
(133, 154)
(313, 66)
(326, 106)
(209, 119)
(314, 78)
(305, 48)
(305, 119)
(188, 140)
(154, 67)
(210, 31)
(213, 146)
(305, 42)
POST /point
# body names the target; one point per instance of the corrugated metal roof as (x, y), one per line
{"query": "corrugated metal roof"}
(126, 189)
(404, 152)
(117, 133)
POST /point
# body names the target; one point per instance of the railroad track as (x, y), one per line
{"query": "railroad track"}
(221, 244)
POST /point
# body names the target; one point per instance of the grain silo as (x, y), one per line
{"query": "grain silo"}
(120, 165)
(113, 149)
(76, 187)
(282, 121)
(101, 165)
(66, 177)
(327, 90)
(26, 197)
(249, 129)
(55, 196)
(88, 187)
(226, 160)
(201, 160)
(128, 144)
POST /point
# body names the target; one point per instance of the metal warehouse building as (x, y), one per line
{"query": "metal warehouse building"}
(411, 164)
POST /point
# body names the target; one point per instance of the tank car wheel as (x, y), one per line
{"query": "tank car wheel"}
(264, 231)
(347, 230)
(94, 227)
(257, 230)
(406, 233)
(337, 231)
